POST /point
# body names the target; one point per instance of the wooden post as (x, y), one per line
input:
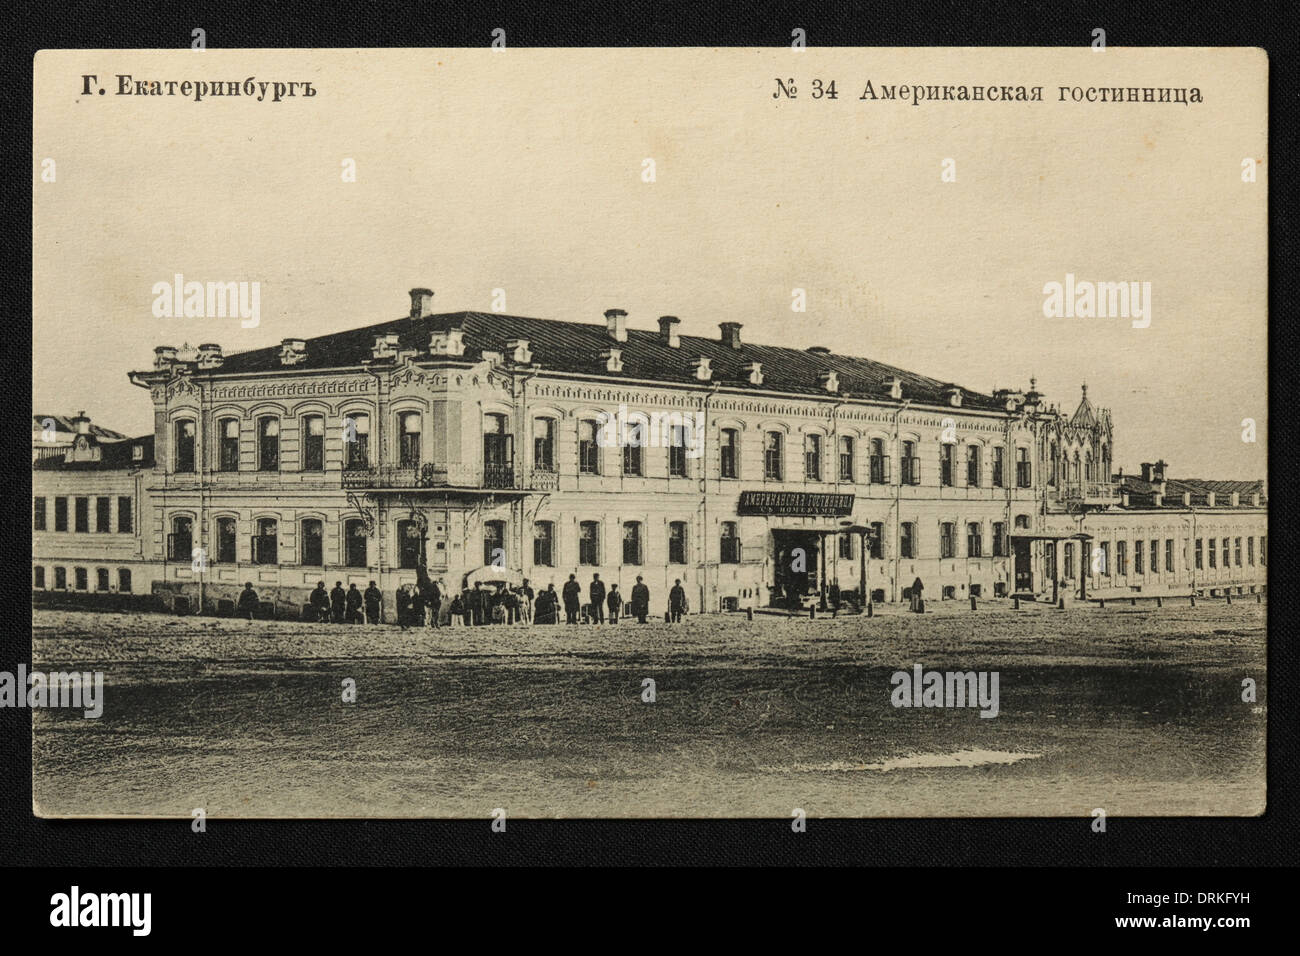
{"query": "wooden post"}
(972, 602)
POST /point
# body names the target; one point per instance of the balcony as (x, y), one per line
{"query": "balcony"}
(430, 476)
(1090, 492)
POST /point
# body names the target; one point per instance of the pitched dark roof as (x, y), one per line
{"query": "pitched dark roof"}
(1142, 493)
(575, 347)
(64, 423)
(116, 456)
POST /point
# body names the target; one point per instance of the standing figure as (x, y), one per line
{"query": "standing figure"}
(640, 600)
(478, 604)
(677, 602)
(248, 601)
(320, 602)
(917, 604)
(403, 605)
(597, 593)
(374, 599)
(354, 603)
(338, 602)
(615, 601)
(572, 599)
(526, 601)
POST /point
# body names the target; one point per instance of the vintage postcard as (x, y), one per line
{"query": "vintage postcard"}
(528, 433)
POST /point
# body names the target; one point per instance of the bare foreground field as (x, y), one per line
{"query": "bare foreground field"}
(1137, 710)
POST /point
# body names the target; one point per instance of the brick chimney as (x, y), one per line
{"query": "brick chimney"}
(1158, 471)
(730, 334)
(668, 331)
(616, 324)
(421, 303)
(1146, 471)
(210, 355)
(81, 423)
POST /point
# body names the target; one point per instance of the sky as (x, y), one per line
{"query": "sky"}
(524, 171)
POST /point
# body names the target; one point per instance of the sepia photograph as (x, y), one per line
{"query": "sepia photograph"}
(699, 433)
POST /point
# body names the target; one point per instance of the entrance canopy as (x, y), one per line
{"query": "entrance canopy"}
(488, 574)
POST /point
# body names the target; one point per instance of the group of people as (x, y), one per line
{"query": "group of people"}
(426, 603)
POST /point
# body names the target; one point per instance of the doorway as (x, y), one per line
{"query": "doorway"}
(795, 565)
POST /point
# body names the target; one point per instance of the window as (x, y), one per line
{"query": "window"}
(588, 447)
(845, 545)
(946, 544)
(82, 579)
(81, 517)
(544, 544)
(633, 452)
(730, 543)
(911, 464)
(877, 540)
(1137, 557)
(1069, 561)
(1250, 550)
(184, 431)
(313, 540)
(730, 450)
(1103, 562)
(228, 450)
(1169, 554)
(180, 547)
(498, 452)
(907, 540)
(60, 514)
(1200, 549)
(1154, 564)
(1213, 552)
(38, 577)
(677, 542)
(103, 515)
(356, 441)
(313, 443)
(409, 426)
(1022, 468)
(588, 543)
(880, 462)
(1121, 557)
(38, 514)
(494, 543)
(354, 543)
(125, 514)
(124, 580)
(409, 544)
(973, 466)
(677, 452)
(773, 448)
(268, 444)
(846, 458)
(1263, 549)
(812, 457)
(1236, 551)
(543, 444)
(974, 540)
(61, 578)
(999, 453)
(1225, 553)
(266, 544)
(101, 579)
(945, 464)
(226, 530)
(631, 542)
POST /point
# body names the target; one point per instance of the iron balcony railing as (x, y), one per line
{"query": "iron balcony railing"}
(429, 475)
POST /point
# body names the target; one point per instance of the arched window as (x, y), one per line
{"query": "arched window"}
(947, 547)
(880, 461)
(83, 580)
(677, 542)
(184, 461)
(848, 472)
(946, 464)
(313, 543)
(356, 441)
(544, 444)
(730, 543)
(61, 578)
(679, 444)
(907, 540)
(266, 543)
(494, 544)
(773, 452)
(181, 540)
(544, 544)
(631, 542)
(634, 448)
(911, 464)
(124, 580)
(589, 542)
(313, 443)
(226, 540)
(498, 452)
(228, 444)
(1023, 475)
(974, 540)
(973, 470)
(101, 579)
(812, 457)
(354, 543)
(730, 451)
(268, 444)
(409, 427)
(410, 544)
(589, 447)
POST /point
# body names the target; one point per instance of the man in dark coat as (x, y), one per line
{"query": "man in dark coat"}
(615, 601)
(417, 608)
(403, 606)
(917, 604)
(597, 593)
(478, 603)
(572, 599)
(374, 599)
(248, 601)
(338, 602)
(433, 599)
(677, 601)
(354, 605)
(320, 600)
(640, 600)
(548, 606)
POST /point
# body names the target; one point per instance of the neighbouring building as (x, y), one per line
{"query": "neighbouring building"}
(497, 447)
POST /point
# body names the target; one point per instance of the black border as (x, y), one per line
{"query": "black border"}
(1267, 840)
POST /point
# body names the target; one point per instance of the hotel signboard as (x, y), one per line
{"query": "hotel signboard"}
(795, 503)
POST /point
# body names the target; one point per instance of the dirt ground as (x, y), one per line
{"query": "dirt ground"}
(1137, 710)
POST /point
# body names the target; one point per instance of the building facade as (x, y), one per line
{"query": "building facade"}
(493, 447)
